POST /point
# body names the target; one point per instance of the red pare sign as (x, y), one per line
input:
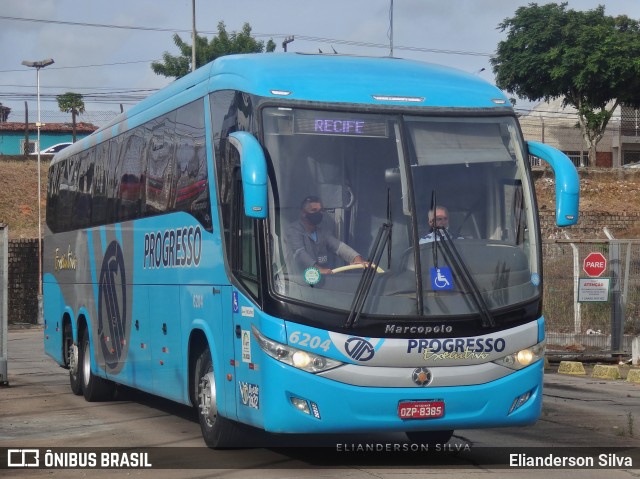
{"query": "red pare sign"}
(594, 264)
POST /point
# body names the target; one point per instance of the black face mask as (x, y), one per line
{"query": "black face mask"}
(314, 218)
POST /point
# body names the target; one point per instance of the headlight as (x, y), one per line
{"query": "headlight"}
(312, 363)
(524, 357)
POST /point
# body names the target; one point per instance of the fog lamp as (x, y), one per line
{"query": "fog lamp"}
(301, 405)
(520, 401)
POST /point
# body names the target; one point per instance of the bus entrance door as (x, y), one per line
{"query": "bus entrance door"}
(247, 375)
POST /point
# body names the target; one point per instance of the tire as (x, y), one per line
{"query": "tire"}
(94, 388)
(72, 360)
(429, 437)
(217, 431)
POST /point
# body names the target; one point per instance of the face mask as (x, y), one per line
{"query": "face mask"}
(314, 218)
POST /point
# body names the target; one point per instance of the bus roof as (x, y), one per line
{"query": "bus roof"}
(337, 79)
(352, 79)
(382, 81)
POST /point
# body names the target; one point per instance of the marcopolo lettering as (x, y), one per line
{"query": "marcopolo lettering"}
(395, 329)
(456, 345)
(175, 248)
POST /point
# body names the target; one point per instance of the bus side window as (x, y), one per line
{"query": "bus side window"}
(243, 250)
(191, 177)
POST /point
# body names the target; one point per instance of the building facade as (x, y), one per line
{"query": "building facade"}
(14, 136)
(556, 126)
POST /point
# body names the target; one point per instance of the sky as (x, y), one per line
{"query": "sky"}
(105, 48)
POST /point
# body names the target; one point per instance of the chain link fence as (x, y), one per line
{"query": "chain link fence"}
(583, 321)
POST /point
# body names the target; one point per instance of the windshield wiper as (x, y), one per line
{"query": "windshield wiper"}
(366, 280)
(443, 239)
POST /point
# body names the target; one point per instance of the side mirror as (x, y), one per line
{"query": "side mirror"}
(567, 182)
(253, 168)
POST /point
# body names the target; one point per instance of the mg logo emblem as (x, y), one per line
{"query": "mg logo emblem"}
(359, 349)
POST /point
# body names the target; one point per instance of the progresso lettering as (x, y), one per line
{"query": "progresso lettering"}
(456, 345)
(175, 248)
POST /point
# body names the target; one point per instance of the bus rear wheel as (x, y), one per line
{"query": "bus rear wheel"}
(217, 431)
(72, 360)
(429, 437)
(94, 388)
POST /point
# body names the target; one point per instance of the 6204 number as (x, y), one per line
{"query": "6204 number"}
(313, 342)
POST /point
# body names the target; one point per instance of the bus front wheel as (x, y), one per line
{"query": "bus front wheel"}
(217, 431)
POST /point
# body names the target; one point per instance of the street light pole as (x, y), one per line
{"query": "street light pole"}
(193, 35)
(287, 41)
(38, 65)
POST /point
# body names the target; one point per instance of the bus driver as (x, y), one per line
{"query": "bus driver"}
(309, 244)
(438, 219)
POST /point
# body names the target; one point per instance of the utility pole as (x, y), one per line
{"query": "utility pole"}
(391, 30)
(193, 36)
(26, 129)
(287, 41)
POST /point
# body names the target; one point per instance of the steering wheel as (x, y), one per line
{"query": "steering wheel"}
(462, 223)
(349, 267)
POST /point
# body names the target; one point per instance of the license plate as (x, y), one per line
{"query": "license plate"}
(420, 409)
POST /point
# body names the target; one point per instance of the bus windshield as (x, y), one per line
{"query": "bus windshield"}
(452, 194)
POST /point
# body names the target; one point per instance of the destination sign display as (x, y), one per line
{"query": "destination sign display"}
(322, 123)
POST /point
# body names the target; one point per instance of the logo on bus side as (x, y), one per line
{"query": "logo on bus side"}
(175, 248)
(249, 394)
(65, 261)
(112, 308)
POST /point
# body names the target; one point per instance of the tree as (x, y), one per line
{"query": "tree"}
(71, 103)
(587, 58)
(206, 51)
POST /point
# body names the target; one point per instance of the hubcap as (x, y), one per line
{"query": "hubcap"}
(73, 359)
(207, 398)
(86, 365)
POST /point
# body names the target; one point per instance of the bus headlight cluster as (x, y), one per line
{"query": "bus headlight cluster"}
(310, 362)
(523, 358)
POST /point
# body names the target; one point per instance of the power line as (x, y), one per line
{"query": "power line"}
(95, 25)
(270, 35)
(22, 70)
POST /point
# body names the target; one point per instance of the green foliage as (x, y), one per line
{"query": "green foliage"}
(71, 103)
(224, 43)
(585, 57)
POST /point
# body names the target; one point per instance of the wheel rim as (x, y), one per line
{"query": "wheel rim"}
(73, 359)
(207, 399)
(86, 363)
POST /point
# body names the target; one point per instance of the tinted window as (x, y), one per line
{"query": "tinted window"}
(158, 167)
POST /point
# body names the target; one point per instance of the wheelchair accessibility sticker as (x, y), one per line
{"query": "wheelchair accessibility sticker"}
(441, 279)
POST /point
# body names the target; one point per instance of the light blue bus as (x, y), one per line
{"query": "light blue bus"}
(177, 236)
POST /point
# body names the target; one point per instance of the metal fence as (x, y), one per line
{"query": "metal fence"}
(4, 300)
(584, 320)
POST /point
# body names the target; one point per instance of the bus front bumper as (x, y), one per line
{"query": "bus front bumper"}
(332, 406)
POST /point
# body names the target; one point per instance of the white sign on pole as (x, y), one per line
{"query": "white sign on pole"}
(593, 290)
